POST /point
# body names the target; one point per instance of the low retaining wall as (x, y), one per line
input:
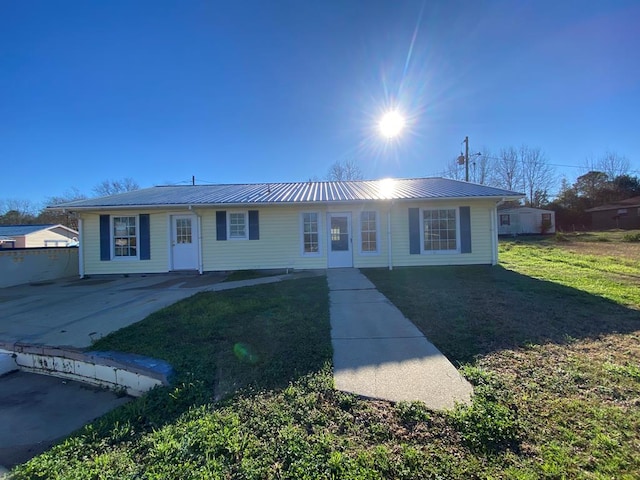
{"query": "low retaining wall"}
(134, 374)
(35, 265)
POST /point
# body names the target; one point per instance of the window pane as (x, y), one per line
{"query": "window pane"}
(237, 225)
(310, 233)
(439, 229)
(368, 232)
(183, 230)
(124, 236)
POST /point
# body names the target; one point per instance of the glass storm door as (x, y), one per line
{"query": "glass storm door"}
(184, 242)
(340, 253)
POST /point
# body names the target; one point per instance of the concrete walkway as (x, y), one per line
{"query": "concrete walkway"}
(378, 353)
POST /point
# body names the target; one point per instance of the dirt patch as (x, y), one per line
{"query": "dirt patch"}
(626, 250)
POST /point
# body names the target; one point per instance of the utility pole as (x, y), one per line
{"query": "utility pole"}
(466, 159)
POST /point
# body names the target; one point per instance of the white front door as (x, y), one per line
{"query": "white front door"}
(340, 251)
(184, 242)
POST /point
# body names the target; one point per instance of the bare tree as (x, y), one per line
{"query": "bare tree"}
(112, 187)
(610, 163)
(64, 217)
(507, 170)
(454, 170)
(345, 170)
(537, 175)
(14, 211)
(24, 207)
(480, 167)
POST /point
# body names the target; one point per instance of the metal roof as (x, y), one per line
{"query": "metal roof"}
(292, 193)
(17, 230)
(629, 202)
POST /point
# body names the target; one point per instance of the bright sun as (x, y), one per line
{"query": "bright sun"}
(391, 124)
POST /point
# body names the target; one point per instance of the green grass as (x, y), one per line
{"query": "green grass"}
(238, 275)
(550, 339)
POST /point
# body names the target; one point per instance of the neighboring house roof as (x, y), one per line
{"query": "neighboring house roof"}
(523, 209)
(19, 230)
(299, 192)
(629, 202)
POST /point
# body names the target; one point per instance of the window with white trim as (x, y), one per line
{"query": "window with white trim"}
(125, 237)
(238, 225)
(440, 230)
(369, 232)
(310, 233)
(505, 219)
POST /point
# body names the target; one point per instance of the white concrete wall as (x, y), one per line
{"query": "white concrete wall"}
(37, 265)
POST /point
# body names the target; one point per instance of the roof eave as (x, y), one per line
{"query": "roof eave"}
(189, 206)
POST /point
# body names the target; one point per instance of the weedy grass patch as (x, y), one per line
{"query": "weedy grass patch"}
(550, 339)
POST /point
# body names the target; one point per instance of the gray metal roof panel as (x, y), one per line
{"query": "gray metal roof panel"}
(291, 193)
(16, 230)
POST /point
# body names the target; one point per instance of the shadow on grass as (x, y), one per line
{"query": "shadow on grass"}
(473, 311)
(262, 337)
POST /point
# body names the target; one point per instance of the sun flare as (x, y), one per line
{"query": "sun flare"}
(391, 124)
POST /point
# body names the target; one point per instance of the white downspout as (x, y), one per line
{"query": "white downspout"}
(494, 232)
(389, 237)
(80, 248)
(200, 261)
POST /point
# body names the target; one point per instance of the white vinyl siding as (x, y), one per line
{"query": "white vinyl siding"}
(44, 238)
(279, 245)
(280, 242)
(159, 248)
(481, 244)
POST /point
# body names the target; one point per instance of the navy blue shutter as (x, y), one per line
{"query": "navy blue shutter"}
(221, 225)
(465, 230)
(145, 237)
(414, 231)
(105, 238)
(254, 225)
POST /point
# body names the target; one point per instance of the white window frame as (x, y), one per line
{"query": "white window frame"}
(245, 214)
(119, 258)
(360, 225)
(440, 252)
(319, 233)
(506, 223)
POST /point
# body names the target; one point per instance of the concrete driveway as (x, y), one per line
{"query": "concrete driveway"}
(74, 312)
(37, 410)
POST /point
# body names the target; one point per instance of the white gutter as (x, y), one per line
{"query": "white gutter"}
(200, 261)
(80, 248)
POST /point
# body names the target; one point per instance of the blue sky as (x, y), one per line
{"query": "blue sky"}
(254, 91)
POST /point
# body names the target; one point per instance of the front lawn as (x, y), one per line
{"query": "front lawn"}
(550, 338)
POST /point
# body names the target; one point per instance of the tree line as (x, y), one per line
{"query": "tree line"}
(527, 170)
(27, 212)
